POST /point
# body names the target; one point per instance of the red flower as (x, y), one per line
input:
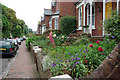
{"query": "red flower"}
(91, 45)
(100, 49)
(85, 60)
(84, 56)
(98, 42)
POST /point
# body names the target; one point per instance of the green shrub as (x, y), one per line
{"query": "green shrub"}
(81, 41)
(67, 24)
(112, 26)
(36, 40)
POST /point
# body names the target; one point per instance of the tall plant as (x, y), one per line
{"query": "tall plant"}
(112, 26)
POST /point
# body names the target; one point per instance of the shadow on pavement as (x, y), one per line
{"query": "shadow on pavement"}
(6, 56)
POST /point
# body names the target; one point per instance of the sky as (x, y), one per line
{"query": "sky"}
(28, 10)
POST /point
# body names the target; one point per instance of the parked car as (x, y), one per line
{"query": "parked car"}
(7, 48)
(19, 41)
(14, 41)
(24, 38)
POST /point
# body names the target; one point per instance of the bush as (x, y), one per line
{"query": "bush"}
(112, 26)
(81, 41)
(37, 41)
(67, 24)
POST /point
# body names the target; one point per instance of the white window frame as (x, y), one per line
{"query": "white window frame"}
(80, 19)
(56, 23)
(88, 15)
(50, 24)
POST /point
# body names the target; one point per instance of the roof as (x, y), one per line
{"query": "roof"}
(47, 12)
(56, 13)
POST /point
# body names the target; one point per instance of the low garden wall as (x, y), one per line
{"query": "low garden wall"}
(110, 67)
(38, 58)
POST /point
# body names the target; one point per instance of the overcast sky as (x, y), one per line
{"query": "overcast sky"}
(28, 10)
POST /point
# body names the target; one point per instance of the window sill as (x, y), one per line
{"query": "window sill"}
(93, 27)
(80, 28)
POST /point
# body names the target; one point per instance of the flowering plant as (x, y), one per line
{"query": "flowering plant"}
(79, 60)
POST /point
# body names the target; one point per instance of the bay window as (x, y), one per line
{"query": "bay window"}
(56, 23)
(50, 24)
(80, 18)
(93, 15)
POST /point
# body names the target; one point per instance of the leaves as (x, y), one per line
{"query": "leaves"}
(10, 23)
(67, 24)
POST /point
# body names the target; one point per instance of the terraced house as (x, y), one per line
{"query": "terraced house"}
(90, 13)
(93, 13)
(58, 10)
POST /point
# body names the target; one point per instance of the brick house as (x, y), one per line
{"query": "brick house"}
(60, 9)
(43, 25)
(87, 12)
(93, 14)
(52, 16)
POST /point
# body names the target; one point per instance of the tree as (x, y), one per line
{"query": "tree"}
(21, 23)
(10, 23)
(5, 27)
(16, 31)
(25, 30)
(10, 14)
(30, 30)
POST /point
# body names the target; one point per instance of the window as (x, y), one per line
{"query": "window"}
(93, 15)
(80, 18)
(50, 24)
(40, 30)
(56, 23)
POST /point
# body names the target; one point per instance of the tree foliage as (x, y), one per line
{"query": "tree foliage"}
(10, 23)
(67, 24)
(5, 27)
(16, 31)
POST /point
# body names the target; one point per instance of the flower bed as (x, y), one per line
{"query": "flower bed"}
(78, 58)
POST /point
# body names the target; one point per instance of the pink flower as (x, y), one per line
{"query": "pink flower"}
(100, 49)
(98, 42)
(91, 45)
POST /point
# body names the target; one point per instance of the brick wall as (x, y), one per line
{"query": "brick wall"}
(67, 8)
(110, 68)
(53, 23)
(114, 6)
(98, 19)
(46, 21)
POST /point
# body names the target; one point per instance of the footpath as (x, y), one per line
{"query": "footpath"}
(23, 66)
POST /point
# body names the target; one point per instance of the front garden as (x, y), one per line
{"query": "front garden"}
(77, 57)
(73, 58)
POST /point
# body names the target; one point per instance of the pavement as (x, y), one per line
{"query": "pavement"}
(23, 65)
